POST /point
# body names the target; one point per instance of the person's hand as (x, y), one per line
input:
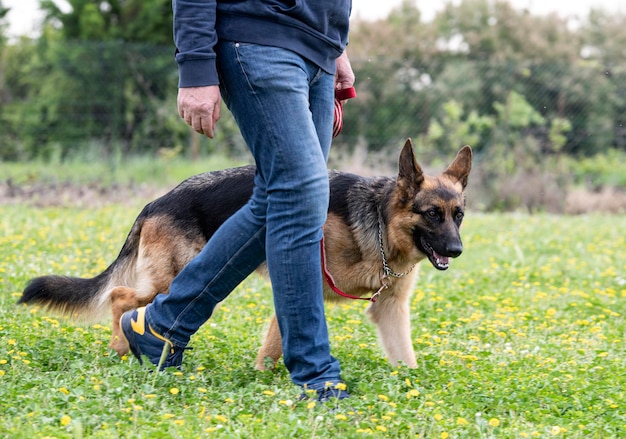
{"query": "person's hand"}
(200, 107)
(344, 76)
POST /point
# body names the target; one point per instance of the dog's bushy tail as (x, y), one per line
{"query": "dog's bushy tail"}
(86, 298)
(65, 294)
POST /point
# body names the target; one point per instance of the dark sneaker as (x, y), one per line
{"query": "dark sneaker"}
(143, 340)
(325, 394)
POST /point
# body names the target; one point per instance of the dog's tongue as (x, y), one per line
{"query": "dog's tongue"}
(442, 261)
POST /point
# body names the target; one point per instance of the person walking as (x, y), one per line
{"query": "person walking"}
(277, 65)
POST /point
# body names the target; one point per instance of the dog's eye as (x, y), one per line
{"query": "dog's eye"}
(432, 213)
(459, 216)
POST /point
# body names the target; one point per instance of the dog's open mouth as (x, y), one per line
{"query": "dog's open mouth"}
(438, 261)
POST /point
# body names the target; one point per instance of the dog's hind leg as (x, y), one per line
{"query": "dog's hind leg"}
(272, 347)
(123, 299)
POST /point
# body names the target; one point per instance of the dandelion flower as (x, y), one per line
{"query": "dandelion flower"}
(65, 420)
(556, 430)
(494, 422)
(174, 391)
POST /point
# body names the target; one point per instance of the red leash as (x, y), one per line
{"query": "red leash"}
(340, 96)
(331, 282)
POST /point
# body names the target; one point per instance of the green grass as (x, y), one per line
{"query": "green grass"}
(522, 337)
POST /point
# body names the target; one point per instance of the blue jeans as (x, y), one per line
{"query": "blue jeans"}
(283, 105)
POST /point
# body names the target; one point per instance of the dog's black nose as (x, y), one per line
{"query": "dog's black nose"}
(454, 249)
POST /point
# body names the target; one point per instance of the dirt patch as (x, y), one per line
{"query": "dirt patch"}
(577, 201)
(72, 195)
(608, 199)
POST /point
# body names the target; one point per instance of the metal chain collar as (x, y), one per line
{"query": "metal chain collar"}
(386, 268)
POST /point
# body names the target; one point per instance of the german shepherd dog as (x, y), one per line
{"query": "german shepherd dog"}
(377, 230)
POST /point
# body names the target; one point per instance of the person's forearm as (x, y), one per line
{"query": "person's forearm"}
(195, 38)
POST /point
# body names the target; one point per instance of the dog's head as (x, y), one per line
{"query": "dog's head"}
(429, 210)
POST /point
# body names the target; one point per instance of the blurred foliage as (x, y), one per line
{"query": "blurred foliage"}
(541, 98)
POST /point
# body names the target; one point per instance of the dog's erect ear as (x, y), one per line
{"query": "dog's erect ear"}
(460, 168)
(410, 174)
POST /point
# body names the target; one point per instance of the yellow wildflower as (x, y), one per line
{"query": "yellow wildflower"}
(494, 422)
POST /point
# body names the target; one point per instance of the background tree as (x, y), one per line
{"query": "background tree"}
(131, 21)
(5, 135)
(99, 75)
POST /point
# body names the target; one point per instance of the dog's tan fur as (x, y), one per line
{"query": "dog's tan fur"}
(352, 248)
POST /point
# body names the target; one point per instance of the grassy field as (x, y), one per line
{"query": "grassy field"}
(523, 337)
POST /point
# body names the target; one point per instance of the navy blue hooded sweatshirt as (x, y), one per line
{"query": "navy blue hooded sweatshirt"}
(315, 29)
